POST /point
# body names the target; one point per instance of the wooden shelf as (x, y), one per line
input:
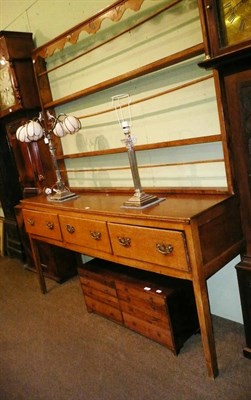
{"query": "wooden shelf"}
(173, 59)
(57, 49)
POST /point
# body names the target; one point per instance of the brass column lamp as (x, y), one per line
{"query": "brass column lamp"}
(122, 106)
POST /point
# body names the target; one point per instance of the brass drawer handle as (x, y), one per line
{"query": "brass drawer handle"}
(50, 225)
(164, 248)
(95, 235)
(124, 241)
(31, 221)
(70, 228)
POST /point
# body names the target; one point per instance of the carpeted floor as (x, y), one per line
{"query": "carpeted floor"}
(52, 349)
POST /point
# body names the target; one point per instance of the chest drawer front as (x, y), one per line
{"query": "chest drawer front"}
(150, 330)
(158, 246)
(42, 224)
(83, 232)
(145, 301)
(101, 308)
(97, 286)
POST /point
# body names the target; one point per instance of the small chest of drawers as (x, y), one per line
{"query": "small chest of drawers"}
(160, 308)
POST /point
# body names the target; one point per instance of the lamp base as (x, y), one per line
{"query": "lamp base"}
(142, 200)
(62, 195)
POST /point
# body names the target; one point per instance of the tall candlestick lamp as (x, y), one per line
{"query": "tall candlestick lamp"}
(122, 106)
(44, 126)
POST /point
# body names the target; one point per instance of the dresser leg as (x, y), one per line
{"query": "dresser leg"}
(206, 327)
(38, 266)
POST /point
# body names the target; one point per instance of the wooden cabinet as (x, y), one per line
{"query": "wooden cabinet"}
(174, 238)
(17, 81)
(226, 25)
(19, 101)
(10, 195)
(57, 263)
(160, 308)
(237, 89)
(25, 168)
(231, 61)
(187, 236)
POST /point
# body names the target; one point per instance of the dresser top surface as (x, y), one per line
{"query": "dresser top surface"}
(179, 207)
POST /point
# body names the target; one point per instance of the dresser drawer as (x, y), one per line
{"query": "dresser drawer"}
(83, 232)
(42, 224)
(158, 246)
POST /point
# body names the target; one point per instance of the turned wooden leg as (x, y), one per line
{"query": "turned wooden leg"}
(38, 266)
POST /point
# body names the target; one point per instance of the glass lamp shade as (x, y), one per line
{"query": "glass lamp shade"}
(59, 129)
(71, 124)
(34, 130)
(65, 125)
(21, 134)
(31, 131)
(60, 126)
